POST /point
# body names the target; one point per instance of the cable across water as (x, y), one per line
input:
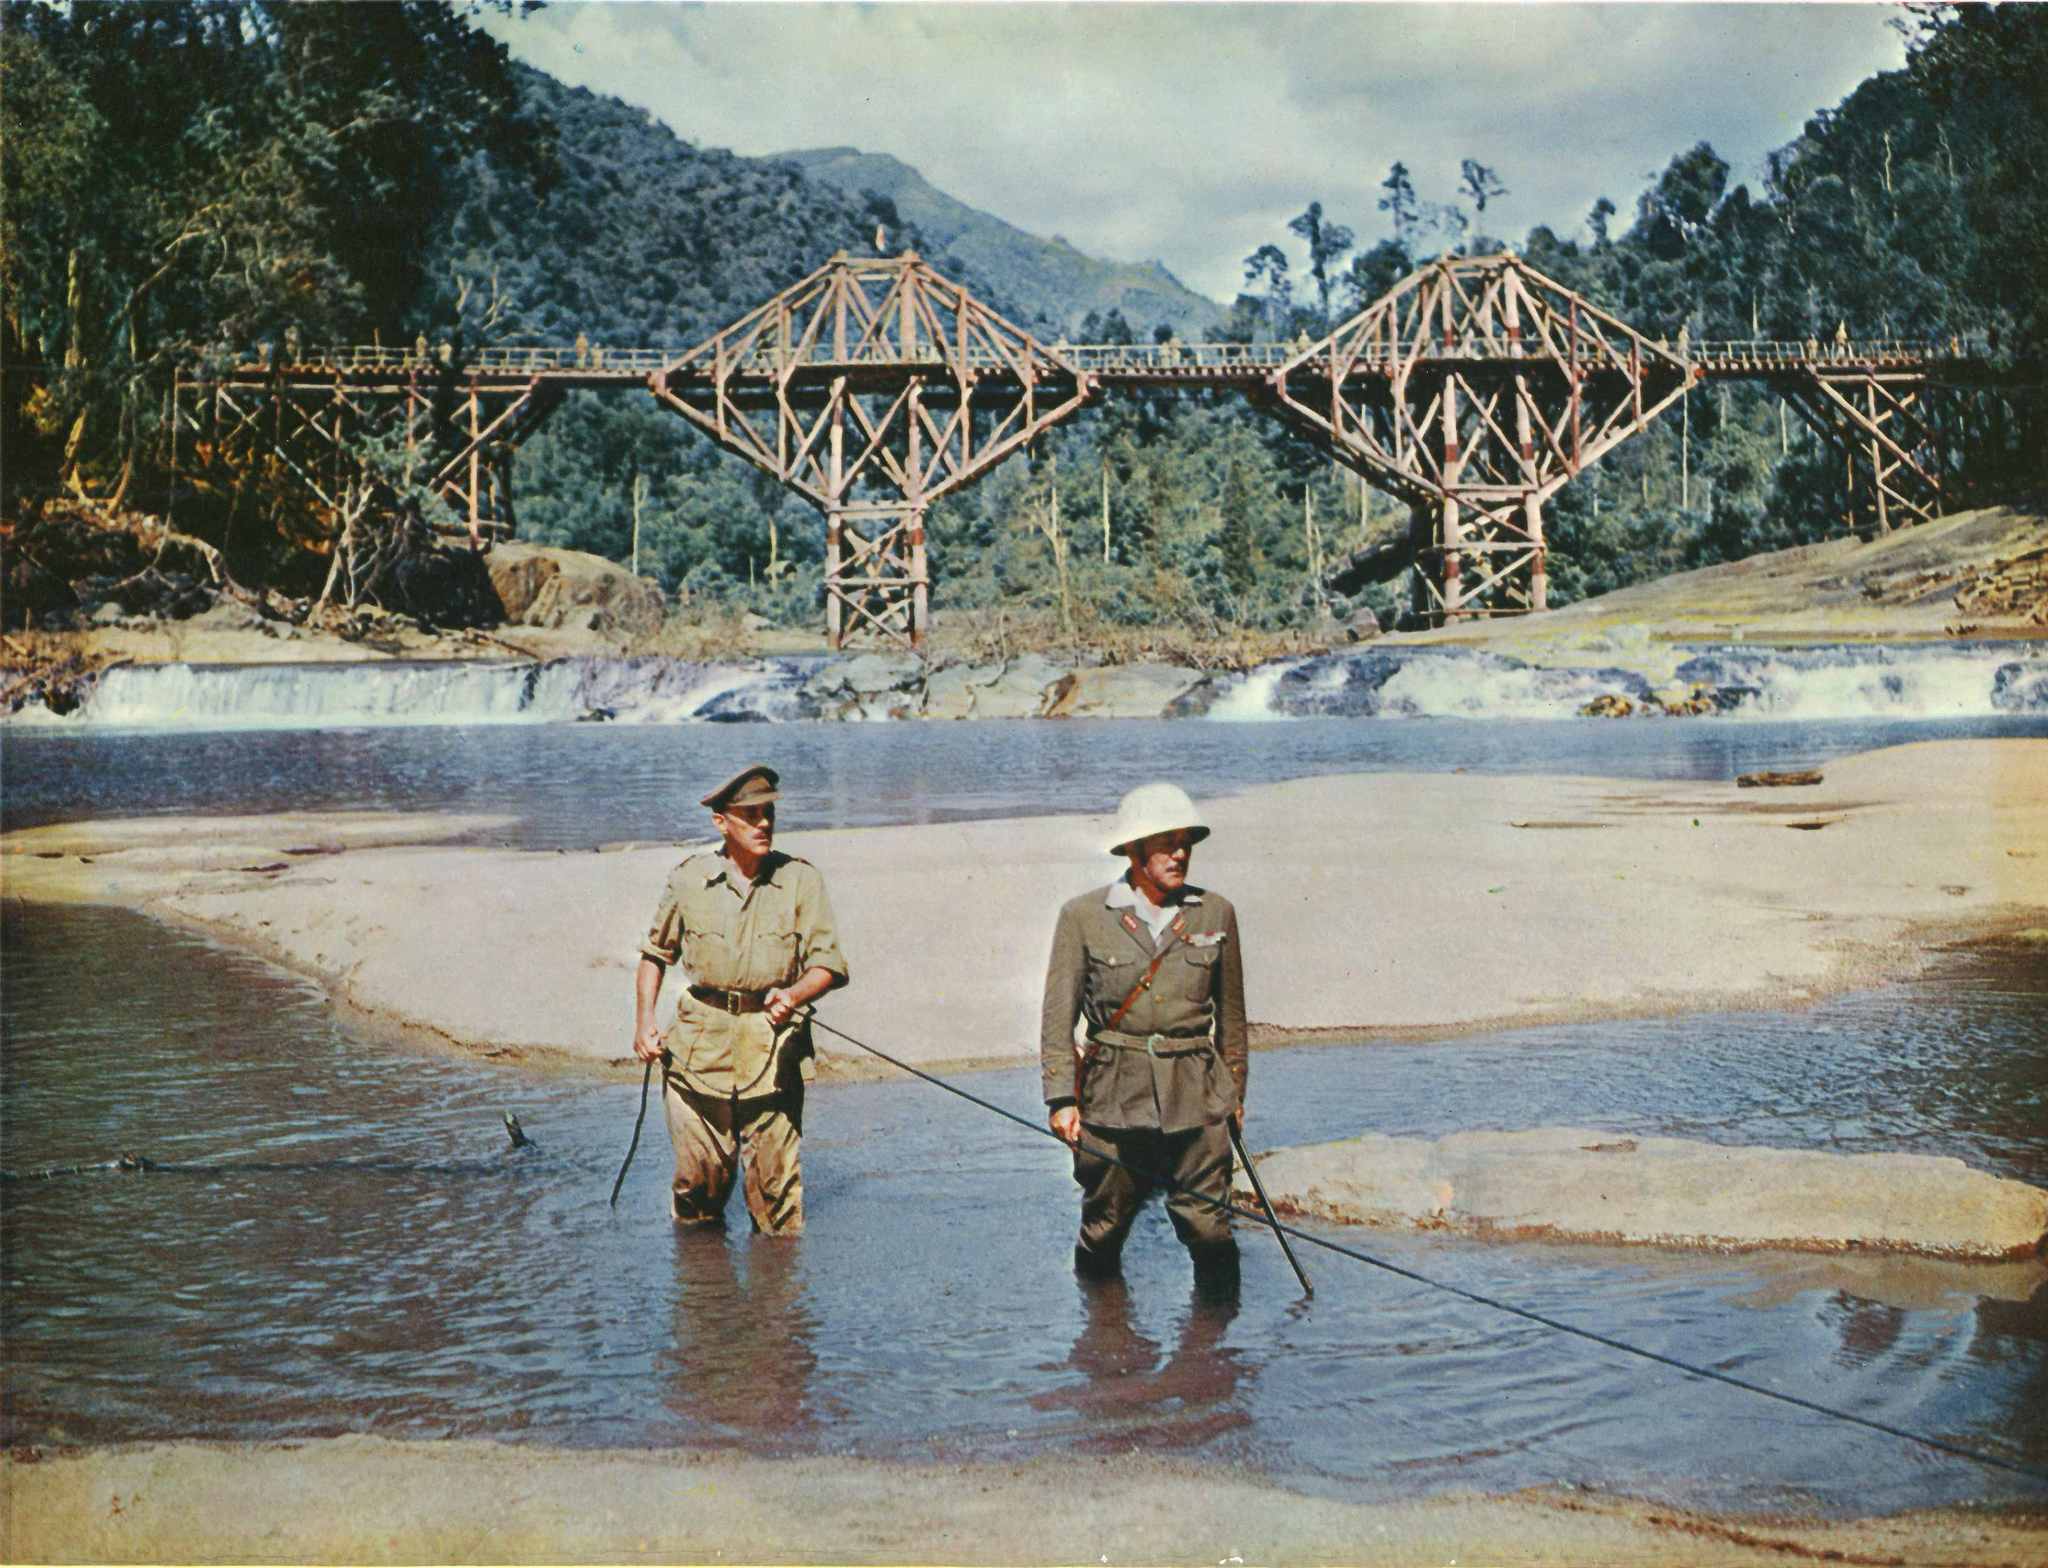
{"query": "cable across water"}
(1557, 1325)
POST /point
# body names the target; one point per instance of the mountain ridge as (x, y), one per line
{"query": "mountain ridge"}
(1053, 279)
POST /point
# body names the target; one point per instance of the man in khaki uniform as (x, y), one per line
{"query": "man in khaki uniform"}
(1151, 966)
(754, 933)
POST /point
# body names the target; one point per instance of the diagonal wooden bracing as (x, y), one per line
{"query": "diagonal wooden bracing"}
(872, 388)
(1889, 428)
(1474, 389)
(309, 426)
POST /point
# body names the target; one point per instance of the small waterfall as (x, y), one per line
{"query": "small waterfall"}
(307, 696)
(1250, 697)
(1852, 681)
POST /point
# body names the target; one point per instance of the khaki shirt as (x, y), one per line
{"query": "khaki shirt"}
(1176, 1059)
(732, 934)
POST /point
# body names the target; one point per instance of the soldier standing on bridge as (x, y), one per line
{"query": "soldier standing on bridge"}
(754, 932)
(1151, 965)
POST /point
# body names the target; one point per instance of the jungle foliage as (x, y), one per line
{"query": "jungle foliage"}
(184, 180)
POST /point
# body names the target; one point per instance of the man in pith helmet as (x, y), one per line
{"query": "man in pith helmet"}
(753, 931)
(1151, 968)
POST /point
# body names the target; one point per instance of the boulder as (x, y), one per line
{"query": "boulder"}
(1688, 702)
(1014, 689)
(867, 686)
(541, 586)
(1608, 705)
(1121, 691)
(1574, 1184)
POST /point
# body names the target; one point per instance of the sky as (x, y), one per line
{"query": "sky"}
(1192, 133)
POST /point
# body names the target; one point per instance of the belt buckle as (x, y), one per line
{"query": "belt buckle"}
(735, 1002)
(1151, 1045)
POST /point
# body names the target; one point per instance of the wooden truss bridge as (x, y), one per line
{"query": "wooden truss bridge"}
(1473, 391)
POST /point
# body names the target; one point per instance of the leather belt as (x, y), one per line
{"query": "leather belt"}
(728, 1000)
(1152, 1044)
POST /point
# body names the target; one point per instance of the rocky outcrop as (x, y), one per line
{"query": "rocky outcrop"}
(544, 587)
(867, 686)
(1122, 691)
(1014, 689)
(1573, 1184)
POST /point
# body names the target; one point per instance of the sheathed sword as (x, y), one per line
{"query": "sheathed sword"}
(1266, 1203)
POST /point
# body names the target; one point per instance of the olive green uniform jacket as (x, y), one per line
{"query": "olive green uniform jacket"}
(1176, 1059)
(731, 934)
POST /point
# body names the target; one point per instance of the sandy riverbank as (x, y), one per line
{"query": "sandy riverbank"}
(370, 1500)
(1372, 906)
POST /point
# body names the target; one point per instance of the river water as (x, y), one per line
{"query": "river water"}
(350, 1245)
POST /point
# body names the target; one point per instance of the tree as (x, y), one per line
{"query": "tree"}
(1234, 540)
(1597, 220)
(252, 166)
(1401, 205)
(1981, 69)
(1327, 243)
(1671, 214)
(1480, 183)
(1266, 277)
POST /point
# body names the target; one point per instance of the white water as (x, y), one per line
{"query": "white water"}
(1847, 682)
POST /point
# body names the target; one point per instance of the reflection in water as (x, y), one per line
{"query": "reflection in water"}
(741, 1362)
(1127, 1395)
(1870, 1330)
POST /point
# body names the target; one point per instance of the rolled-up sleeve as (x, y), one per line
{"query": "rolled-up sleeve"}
(1066, 975)
(664, 943)
(817, 928)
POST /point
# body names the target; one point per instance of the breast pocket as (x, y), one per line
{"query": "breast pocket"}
(1111, 975)
(1195, 972)
(773, 960)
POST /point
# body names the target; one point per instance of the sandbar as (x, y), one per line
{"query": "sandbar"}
(1377, 906)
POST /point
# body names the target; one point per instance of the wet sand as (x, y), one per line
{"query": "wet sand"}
(370, 1500)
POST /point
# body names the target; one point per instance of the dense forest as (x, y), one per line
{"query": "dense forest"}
(188, 179)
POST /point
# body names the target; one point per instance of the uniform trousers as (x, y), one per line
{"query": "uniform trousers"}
(711, 1132)
(1195, 1165)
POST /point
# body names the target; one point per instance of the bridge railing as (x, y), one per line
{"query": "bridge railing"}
(1744, 352)
(1121, 358)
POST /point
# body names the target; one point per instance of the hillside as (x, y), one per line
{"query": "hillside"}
(1048, 279)
(1974, 574)
(632, 235)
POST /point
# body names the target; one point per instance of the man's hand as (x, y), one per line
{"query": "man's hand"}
(784, 1002)
(1066, 1122)
(647, 1043)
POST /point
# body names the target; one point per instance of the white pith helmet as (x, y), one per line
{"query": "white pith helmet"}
(1155, 808)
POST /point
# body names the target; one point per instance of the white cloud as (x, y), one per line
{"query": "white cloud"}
(1193, 132)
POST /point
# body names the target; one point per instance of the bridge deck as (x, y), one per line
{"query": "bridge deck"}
(1200, 364)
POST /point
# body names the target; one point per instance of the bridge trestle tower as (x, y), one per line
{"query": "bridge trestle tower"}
(1887, 425)
(872, 388)
(317, 425)
(1473, 390)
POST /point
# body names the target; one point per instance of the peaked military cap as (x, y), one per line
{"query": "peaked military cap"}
(753, 786)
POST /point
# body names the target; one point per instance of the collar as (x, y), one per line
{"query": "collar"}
(1122, 895)
(723, 870)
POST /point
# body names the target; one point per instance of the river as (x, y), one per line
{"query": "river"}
(351, 1245)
